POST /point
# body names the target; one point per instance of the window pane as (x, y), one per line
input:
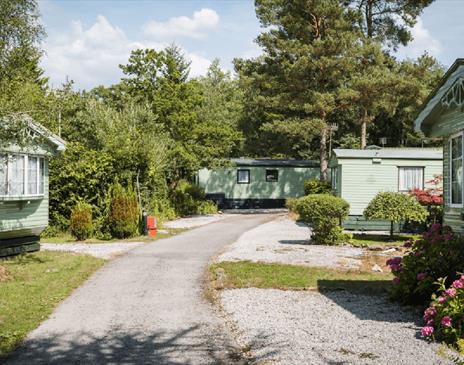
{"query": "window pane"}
(411, 178)
(456, 170)
(32, 176)
(243, 176)
(16, 180)
(41, 176)
(3, 174)
(272, 175)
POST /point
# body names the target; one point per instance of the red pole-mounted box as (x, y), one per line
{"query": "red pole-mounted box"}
(151, 226)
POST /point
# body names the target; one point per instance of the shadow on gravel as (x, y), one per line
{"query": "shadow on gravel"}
(184, 347)
(295, 242)
(362, 300)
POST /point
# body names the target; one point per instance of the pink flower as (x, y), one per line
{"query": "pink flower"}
(396, 281)
(430, 322)
(426, 331)
(446, 321)
(448, 237)
(451, 292)
(442, 300)
(458, 284)
(421, 276)
(429, 313)
(435, 227)
(394, 261)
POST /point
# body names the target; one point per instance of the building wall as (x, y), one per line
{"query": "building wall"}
(26, 217)
(361, 179)
(289, 185)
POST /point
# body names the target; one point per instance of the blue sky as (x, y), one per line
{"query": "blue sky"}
(87, 40)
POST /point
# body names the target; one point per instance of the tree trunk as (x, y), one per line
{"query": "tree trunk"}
(323, 153)
(364, 121)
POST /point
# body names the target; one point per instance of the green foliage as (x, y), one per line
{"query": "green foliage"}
(317, 187)
(437, 255)
(124, 212)
(189, 199)
(395, 207)
(291, 204)
(81, 225)
(324, 213)
(79, 174)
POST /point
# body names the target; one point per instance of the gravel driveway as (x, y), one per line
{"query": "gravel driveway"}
(297, 327)
(101, 250)
(286, 241)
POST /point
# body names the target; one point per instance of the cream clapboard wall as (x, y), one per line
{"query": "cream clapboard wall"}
(361, 179)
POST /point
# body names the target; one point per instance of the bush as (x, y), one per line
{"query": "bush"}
(395, 207)
(124, 212)
(81, 225)
(437, 255)
(432, 199)
(291, 204)
(189, 199)
(317, 187)
(324, 213)
(444, 318)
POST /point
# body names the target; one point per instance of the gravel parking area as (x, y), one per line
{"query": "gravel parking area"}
(297, 327)
(100, 250)
(286, 241)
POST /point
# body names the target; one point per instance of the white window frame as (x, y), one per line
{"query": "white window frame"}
(422, 168)
(248, 176)
(26, 194)
(334, 178)
(450, 169)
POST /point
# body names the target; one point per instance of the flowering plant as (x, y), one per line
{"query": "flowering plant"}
(444, 317)
(438, 254)
(432, 199)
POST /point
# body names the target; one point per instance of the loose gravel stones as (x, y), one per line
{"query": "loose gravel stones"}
(337, 327)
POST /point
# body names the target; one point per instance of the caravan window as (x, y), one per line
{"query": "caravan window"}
(456, 170)
(243, 176)
(411, 178)
(21, 175)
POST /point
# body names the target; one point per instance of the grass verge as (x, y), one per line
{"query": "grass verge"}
(378, 239)
(34, 285)
(246, 274)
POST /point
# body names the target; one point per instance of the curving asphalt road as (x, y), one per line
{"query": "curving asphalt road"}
(143, 308)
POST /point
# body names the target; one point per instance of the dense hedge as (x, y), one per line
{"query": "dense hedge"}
(324, 213)
(124, 212)
(317, 187)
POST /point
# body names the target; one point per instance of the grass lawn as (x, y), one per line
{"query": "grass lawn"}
(34, 285)
(66, 237)
(360, 239)
(246, 274)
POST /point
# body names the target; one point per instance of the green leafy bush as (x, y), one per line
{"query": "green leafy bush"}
(189, 199)
(81, 225)
(324, 213)
(438, 254)
(124, 212)
(317, 187)
(291, 204)
(395, 207)
(444, 318)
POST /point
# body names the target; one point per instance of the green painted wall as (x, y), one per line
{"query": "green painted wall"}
(360, 179)
(289, 185)
(24, 217)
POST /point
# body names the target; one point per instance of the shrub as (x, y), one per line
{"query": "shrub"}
(438, 254)
(317, 187)
(444, 318)
(432, 199)
(124, 212)
(81, 225)
(395, 207)
(189, 199)
(324, 213)
(291, 204)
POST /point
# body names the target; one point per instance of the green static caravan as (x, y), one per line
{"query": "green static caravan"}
(442, 116)
(24, 188)
(257, 183)
(358, 175)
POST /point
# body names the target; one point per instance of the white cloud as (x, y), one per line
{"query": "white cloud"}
(91, 56)
(183, 26)
(422, 41)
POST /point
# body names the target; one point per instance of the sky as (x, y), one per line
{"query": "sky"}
(87, 39)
